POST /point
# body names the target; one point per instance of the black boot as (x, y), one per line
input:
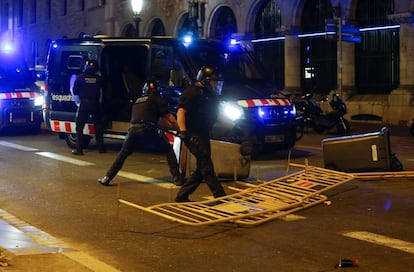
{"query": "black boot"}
(104, 180)
(178, 180)
(77, 152)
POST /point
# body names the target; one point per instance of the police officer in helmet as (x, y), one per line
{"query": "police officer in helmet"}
(197, 112)
(150, 108)
(88, 86)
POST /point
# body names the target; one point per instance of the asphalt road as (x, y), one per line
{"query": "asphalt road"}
(43, 185)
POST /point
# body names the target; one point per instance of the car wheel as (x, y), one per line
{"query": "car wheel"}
(70, 140)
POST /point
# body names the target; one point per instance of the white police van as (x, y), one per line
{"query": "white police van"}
(251, 108)
(20, 99)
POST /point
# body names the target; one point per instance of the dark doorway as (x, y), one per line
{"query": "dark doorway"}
(270, 53)
(318, 55)
(377, 57)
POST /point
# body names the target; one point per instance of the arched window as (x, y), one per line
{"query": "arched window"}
(271, 54)
(224, 24)
(128, 31)
(377, 57)
(318, 55)
(188, 27)
(158, 28)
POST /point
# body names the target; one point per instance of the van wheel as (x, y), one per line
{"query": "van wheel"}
(70, 140)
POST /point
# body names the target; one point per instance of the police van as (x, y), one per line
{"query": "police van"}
(20, 99)
(251, 109)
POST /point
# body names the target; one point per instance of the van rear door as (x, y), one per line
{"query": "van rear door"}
(66, 60)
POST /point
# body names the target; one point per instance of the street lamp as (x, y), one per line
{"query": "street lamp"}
(136, 9)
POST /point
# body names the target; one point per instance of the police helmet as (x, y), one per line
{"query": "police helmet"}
(206, 74)
(151, 87)
(91, 67)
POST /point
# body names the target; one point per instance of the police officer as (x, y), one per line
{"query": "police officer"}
(88, 86)
(197, 112)
(150, 108)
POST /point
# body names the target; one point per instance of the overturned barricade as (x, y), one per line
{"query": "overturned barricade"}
(255, 204)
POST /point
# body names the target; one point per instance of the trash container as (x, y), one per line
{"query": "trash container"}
(228, 160)
(360, 152)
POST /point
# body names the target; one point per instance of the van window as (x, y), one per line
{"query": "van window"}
(67, 60)
(162, 60)
(124, 69)
(75, 62)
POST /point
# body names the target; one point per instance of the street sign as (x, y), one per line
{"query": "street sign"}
(348, 38)
(330, 26)
(350, 33)
(351, 30)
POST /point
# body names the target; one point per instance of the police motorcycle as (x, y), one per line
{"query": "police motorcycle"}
(312, 116)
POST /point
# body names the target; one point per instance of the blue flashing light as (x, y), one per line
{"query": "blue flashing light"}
(7, 47)
(187, 40)
(55, 45)
(234, 42)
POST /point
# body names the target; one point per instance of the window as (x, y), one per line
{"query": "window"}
(20, 13)
(48, 9)
(97, 3)
(33, 11)
(4, 23)
(64, 8)
(81, 5)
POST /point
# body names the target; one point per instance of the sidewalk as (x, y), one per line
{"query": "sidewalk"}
(24, 248)
(22, 253)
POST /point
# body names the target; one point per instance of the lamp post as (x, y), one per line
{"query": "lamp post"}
(136, 9)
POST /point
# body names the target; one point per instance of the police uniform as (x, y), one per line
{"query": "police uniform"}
(146, 109)
(201, 107)
(88, 87)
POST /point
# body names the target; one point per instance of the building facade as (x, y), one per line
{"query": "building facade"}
(297, 40)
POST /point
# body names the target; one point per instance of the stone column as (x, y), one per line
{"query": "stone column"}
(292, 64)
(401, 100)
(348, 68)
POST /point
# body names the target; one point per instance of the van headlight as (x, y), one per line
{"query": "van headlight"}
(38, 101)
(231, 111)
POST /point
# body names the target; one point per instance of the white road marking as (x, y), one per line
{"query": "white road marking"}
(17, 146)
(128, 175)
(381, 240)
(64, 158)
(145, 179)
